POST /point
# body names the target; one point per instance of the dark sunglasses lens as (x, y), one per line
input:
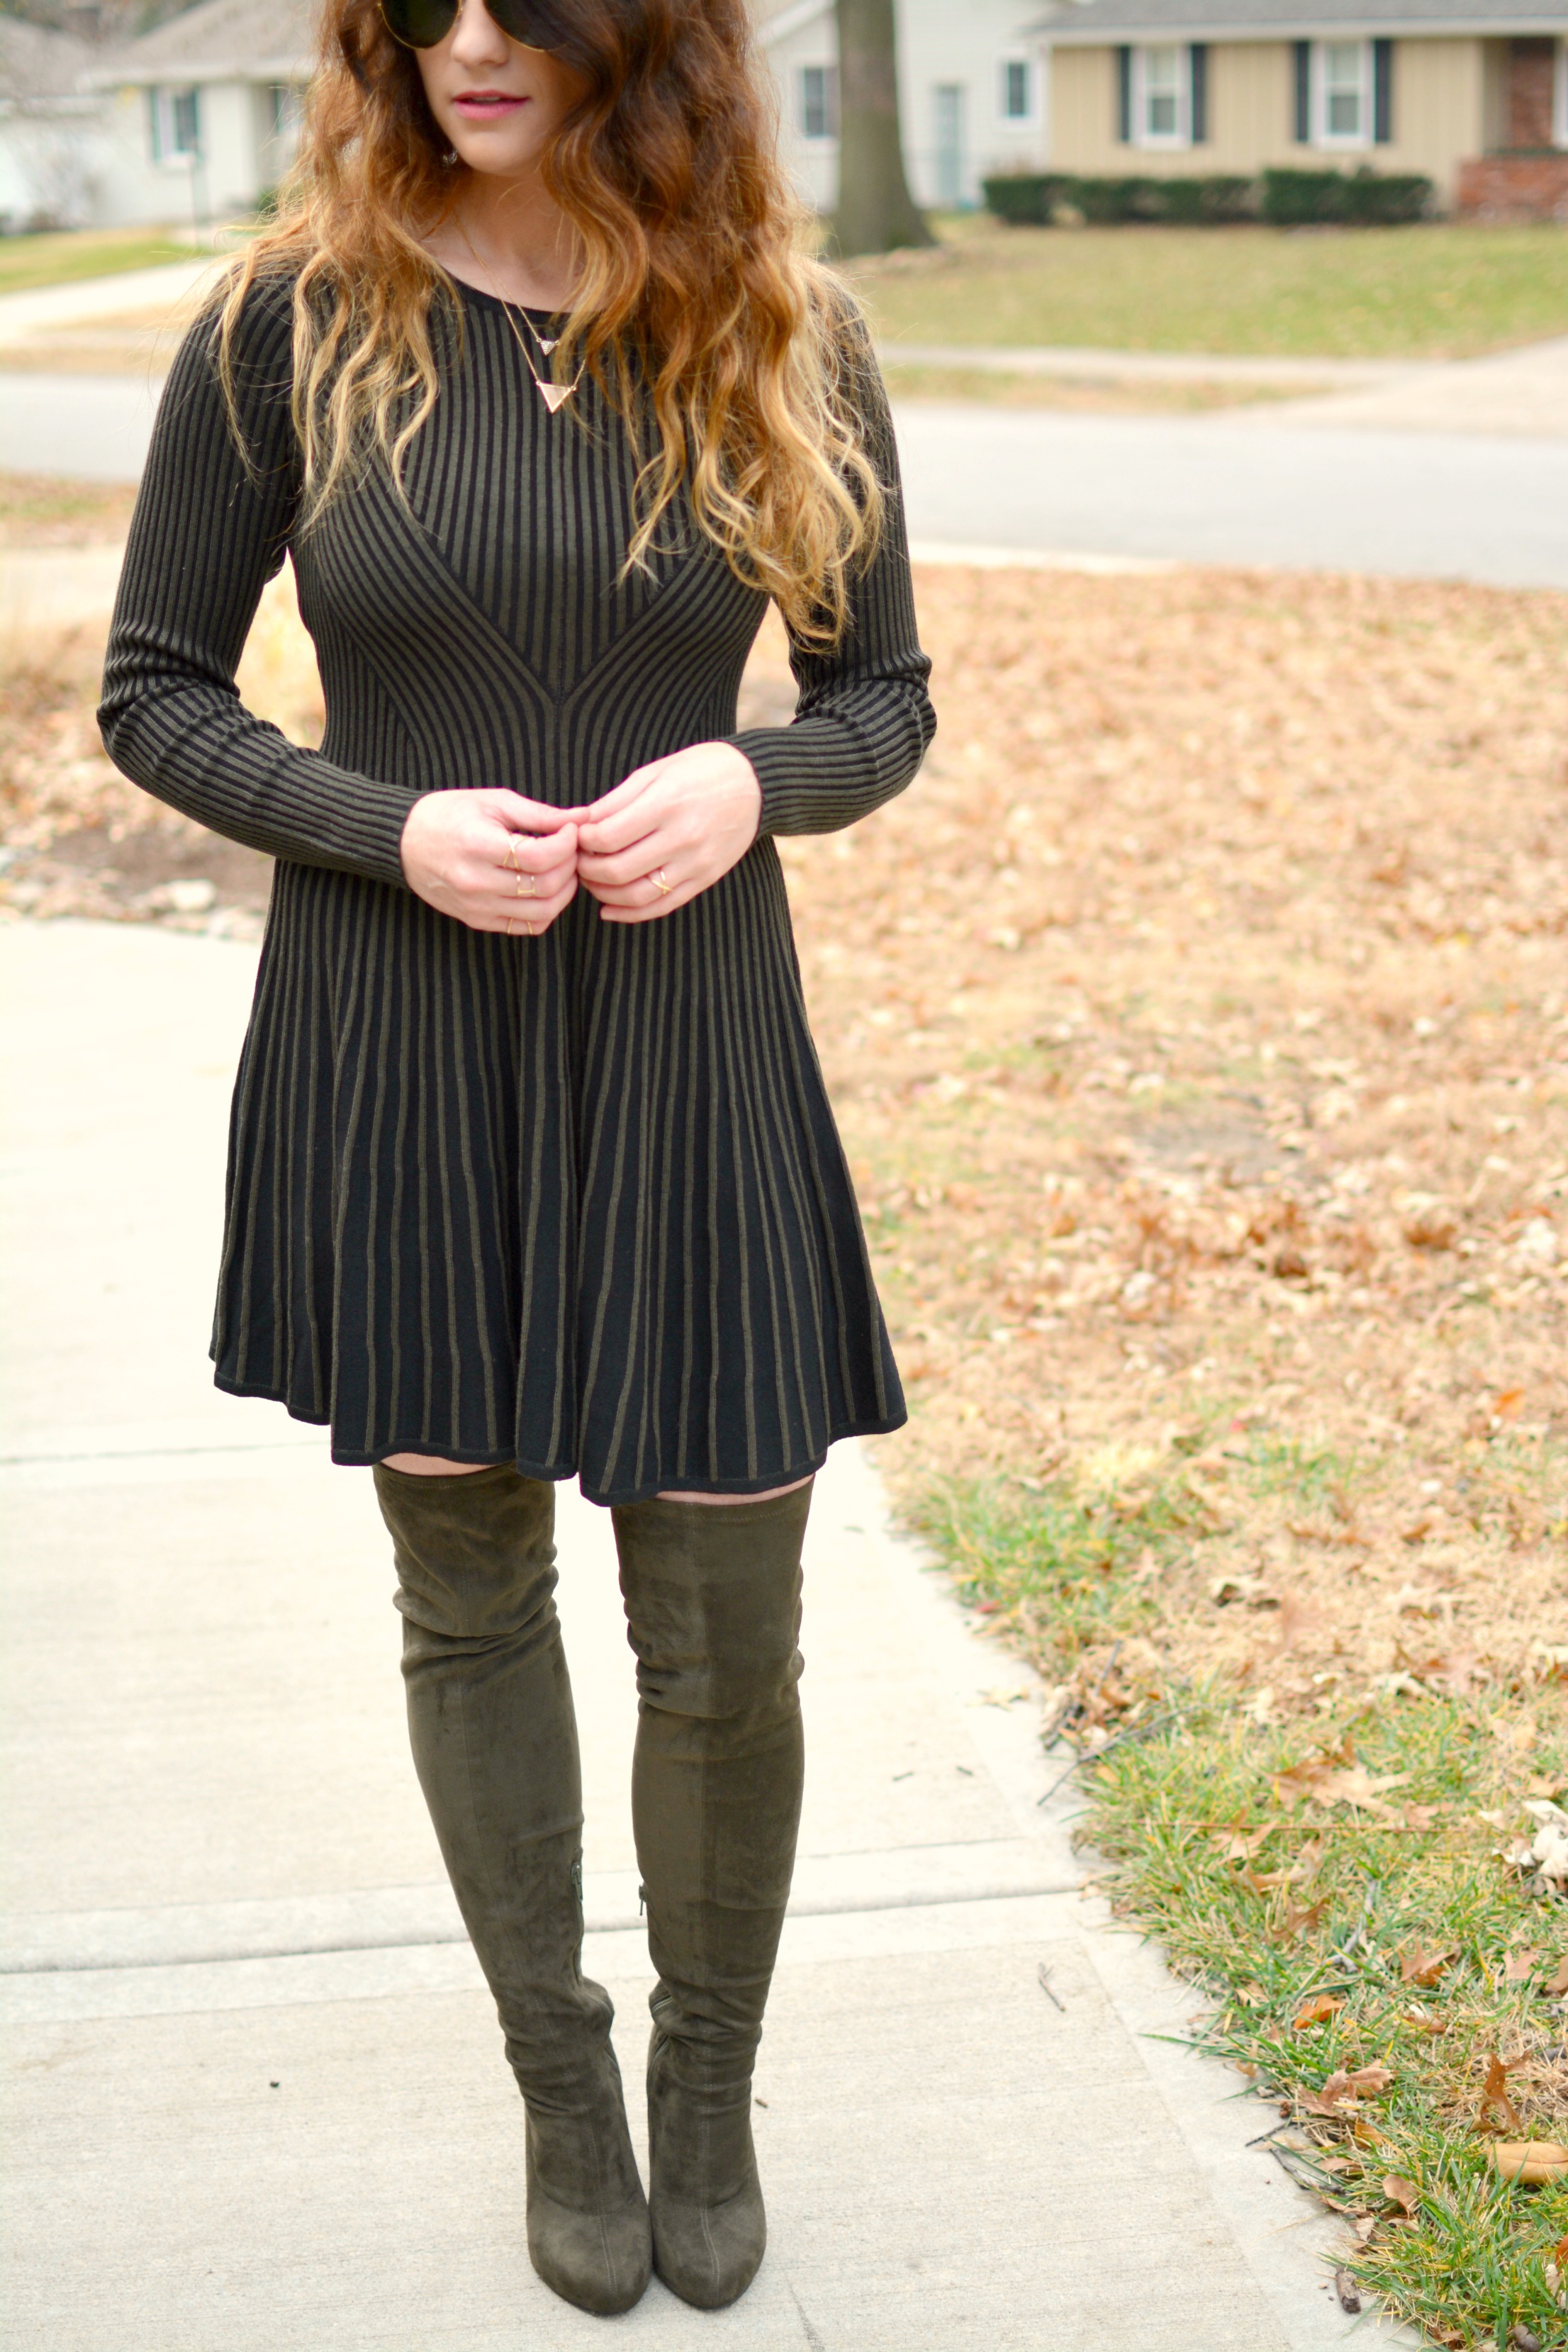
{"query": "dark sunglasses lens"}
(419, 24)
(526, 22)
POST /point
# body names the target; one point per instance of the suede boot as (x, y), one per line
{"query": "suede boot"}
(495, 1744)
(712, 1597)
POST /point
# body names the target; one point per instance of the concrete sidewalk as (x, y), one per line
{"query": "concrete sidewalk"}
(1520, 392)
(254, 2099)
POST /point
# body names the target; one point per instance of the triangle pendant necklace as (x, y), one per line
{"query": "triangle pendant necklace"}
(552, 394)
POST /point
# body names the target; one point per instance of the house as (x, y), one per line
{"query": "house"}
(202, 111)
(1473, 93)
(970, 93)
(49, 129)
(201, 115)
(195, 120)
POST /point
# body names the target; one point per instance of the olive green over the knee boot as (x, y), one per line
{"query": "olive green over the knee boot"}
(712, 1595)
(495, 1743)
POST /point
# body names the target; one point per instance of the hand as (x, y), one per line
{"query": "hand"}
(492, 859)
(668, 831)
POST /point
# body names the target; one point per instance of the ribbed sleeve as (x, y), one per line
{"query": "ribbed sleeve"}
(208, 533)
(864, 719)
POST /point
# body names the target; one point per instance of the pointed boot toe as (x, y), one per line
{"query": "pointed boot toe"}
(710, 2225)
(708, 2254)
(592, 2249)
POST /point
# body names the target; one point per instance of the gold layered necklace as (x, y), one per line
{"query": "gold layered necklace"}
(552, 394)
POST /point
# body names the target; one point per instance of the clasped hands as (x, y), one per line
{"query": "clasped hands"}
(500, 862)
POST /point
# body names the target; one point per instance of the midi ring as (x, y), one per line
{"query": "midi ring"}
(532, 880)
(658, 875)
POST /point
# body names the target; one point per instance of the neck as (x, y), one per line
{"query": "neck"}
(509, 236)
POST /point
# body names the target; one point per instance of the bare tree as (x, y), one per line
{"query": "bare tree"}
(876, 210)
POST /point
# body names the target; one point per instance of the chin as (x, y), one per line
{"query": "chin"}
(492, 155)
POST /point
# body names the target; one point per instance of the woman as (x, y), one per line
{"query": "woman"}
(531, 1171)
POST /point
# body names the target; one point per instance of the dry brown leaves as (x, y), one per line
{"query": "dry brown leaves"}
(1198, 1028)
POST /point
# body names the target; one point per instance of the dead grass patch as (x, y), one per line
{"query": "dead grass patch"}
(1198, 1025)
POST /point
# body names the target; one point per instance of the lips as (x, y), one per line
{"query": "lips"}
(488, 105)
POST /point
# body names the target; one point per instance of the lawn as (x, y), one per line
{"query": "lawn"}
(1440, 292)
(54, 257)
(1198, 1026)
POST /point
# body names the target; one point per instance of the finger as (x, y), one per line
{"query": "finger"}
(533, 853)
(519, 815)
(493, 911)
(644, 857)
(642, 891)
(653, 911)
(524, 876)
(622, 795)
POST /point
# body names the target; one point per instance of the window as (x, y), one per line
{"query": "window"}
(1017, 90)
(819, 102)
(1160, 115)
(1560, 98)
(1344, 93)
(173, 125)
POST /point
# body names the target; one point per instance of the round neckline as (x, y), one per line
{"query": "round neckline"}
(499, 302)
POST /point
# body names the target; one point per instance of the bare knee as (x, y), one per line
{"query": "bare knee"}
(769, 1494)
(431, 1466)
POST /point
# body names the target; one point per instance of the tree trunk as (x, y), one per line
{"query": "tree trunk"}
(876, 210)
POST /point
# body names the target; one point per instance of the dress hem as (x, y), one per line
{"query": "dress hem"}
(556, 1473)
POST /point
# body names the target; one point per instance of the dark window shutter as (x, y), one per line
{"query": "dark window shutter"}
(1124, 94)
(1304, 134)
(1383, 92)
(1198, 59)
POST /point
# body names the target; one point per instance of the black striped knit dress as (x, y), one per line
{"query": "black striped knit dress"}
(575, 1202)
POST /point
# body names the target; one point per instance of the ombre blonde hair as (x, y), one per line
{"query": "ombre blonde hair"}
(730, 353)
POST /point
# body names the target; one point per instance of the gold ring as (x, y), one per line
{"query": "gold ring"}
(511, 852)
(532, 880)
(509, 925)
(658, 876)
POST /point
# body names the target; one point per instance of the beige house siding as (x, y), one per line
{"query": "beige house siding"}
(1251, 100)
(1438, 114)
(1082, 111)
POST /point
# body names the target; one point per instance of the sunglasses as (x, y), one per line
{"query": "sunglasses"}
(424, 24)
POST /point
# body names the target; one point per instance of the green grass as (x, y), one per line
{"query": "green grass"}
(1058, 1570)
(58, 257)
(1195, 1829)
(1438, 291)
(1272, 1892)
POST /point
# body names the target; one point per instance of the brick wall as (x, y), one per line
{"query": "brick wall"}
(1513, 188)
(1531, 71)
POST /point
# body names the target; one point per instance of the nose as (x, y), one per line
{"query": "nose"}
(477, 40)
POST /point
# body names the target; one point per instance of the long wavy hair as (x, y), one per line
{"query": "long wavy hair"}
(730, 353)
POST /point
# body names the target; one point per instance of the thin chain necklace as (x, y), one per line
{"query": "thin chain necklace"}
(552, 394)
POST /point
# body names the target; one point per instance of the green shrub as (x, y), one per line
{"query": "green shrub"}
(1025, 199)
(1031, 198)
(1286, 199)
(1364, 198)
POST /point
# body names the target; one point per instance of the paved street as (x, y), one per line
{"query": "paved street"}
(253, 2097)
(1231, 487)
(1447, 471)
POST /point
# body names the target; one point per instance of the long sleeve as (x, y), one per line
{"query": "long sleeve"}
(864, 719)
(208, 533)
